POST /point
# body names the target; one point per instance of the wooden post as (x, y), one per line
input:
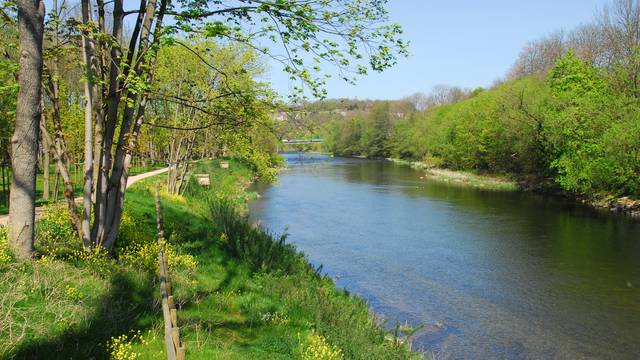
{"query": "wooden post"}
(175, 335)
(181, 353)
(166, 263)
(159, 223)
(168, 332)
(173, 347)
(174, 316)
(6, 182)
(169, 288)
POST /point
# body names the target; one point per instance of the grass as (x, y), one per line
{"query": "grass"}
(241, 293)
(77, 177)
(463, 178)
(54, 309)
(466, 178)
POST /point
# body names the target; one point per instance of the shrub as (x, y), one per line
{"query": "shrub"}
(96, 259)
(259, 249)
(54, 234)
(5, 252)
(140, 248)
(135, 247)
(316, 347)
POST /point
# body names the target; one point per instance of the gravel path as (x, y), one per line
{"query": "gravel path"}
(4, 219)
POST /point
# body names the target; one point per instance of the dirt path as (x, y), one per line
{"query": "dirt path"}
(4, 219)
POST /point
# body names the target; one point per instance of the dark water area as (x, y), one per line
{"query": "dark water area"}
(491, 275)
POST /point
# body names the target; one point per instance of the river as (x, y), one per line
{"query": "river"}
(491, 275)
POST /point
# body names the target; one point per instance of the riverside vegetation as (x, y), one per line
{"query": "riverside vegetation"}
(570, 130)
(241, 292)
(566, 118)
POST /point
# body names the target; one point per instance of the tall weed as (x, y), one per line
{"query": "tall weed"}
(261, 250)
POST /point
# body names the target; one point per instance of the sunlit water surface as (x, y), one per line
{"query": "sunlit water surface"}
(491, 275)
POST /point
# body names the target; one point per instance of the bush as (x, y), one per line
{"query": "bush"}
(259, 249)
(97, 260)
(54, 234)
(6, 256)
(140, 248)
(121, 347)
(316, 347)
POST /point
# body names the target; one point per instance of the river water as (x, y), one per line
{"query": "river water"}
(491, 275)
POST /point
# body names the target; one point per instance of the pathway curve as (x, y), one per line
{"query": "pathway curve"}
(4, 219)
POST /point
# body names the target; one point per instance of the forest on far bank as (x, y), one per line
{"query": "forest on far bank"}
(566, 114)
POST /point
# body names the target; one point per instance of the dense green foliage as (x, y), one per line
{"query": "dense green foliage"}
(366, 131)
(8, 78)
(570, 126)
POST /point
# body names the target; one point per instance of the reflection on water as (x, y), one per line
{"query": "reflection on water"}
(491, 274)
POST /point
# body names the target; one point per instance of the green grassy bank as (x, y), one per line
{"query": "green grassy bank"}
(241, 293)
(462, 178)
(505, 182)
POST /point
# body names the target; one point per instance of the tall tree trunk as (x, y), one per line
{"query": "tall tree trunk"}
(57, 145)
(88, 57)
(46, 160)
(100, 93)
(24, 142)
(126, 146)
(185, 167)
(114, 93)
(56, 185)
(174, 170)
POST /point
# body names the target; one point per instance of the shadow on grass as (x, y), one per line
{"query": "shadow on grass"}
(129, 306)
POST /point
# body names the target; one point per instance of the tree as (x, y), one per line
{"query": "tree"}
(620, 24)
(439, 95)
(419, 100)
(378, 131)
(8, 76)
(539, 56)
(60, 58)
(580, 114)
(201, 110)
(120, 71)
(24, 142)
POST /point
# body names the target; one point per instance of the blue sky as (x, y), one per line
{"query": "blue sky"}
(467, 43)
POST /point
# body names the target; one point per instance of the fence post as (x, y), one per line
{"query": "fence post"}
(175, 350)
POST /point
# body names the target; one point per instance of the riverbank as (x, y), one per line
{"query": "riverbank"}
(462, 178)
(620, 205)
(241, 293)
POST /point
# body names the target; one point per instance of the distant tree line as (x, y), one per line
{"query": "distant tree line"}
(568, 113)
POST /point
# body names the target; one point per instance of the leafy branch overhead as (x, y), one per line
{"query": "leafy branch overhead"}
(311, 39)
(172, 78)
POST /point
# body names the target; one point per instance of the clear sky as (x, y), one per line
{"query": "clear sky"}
(467, 43)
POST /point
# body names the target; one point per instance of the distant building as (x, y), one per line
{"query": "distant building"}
(281, 116)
